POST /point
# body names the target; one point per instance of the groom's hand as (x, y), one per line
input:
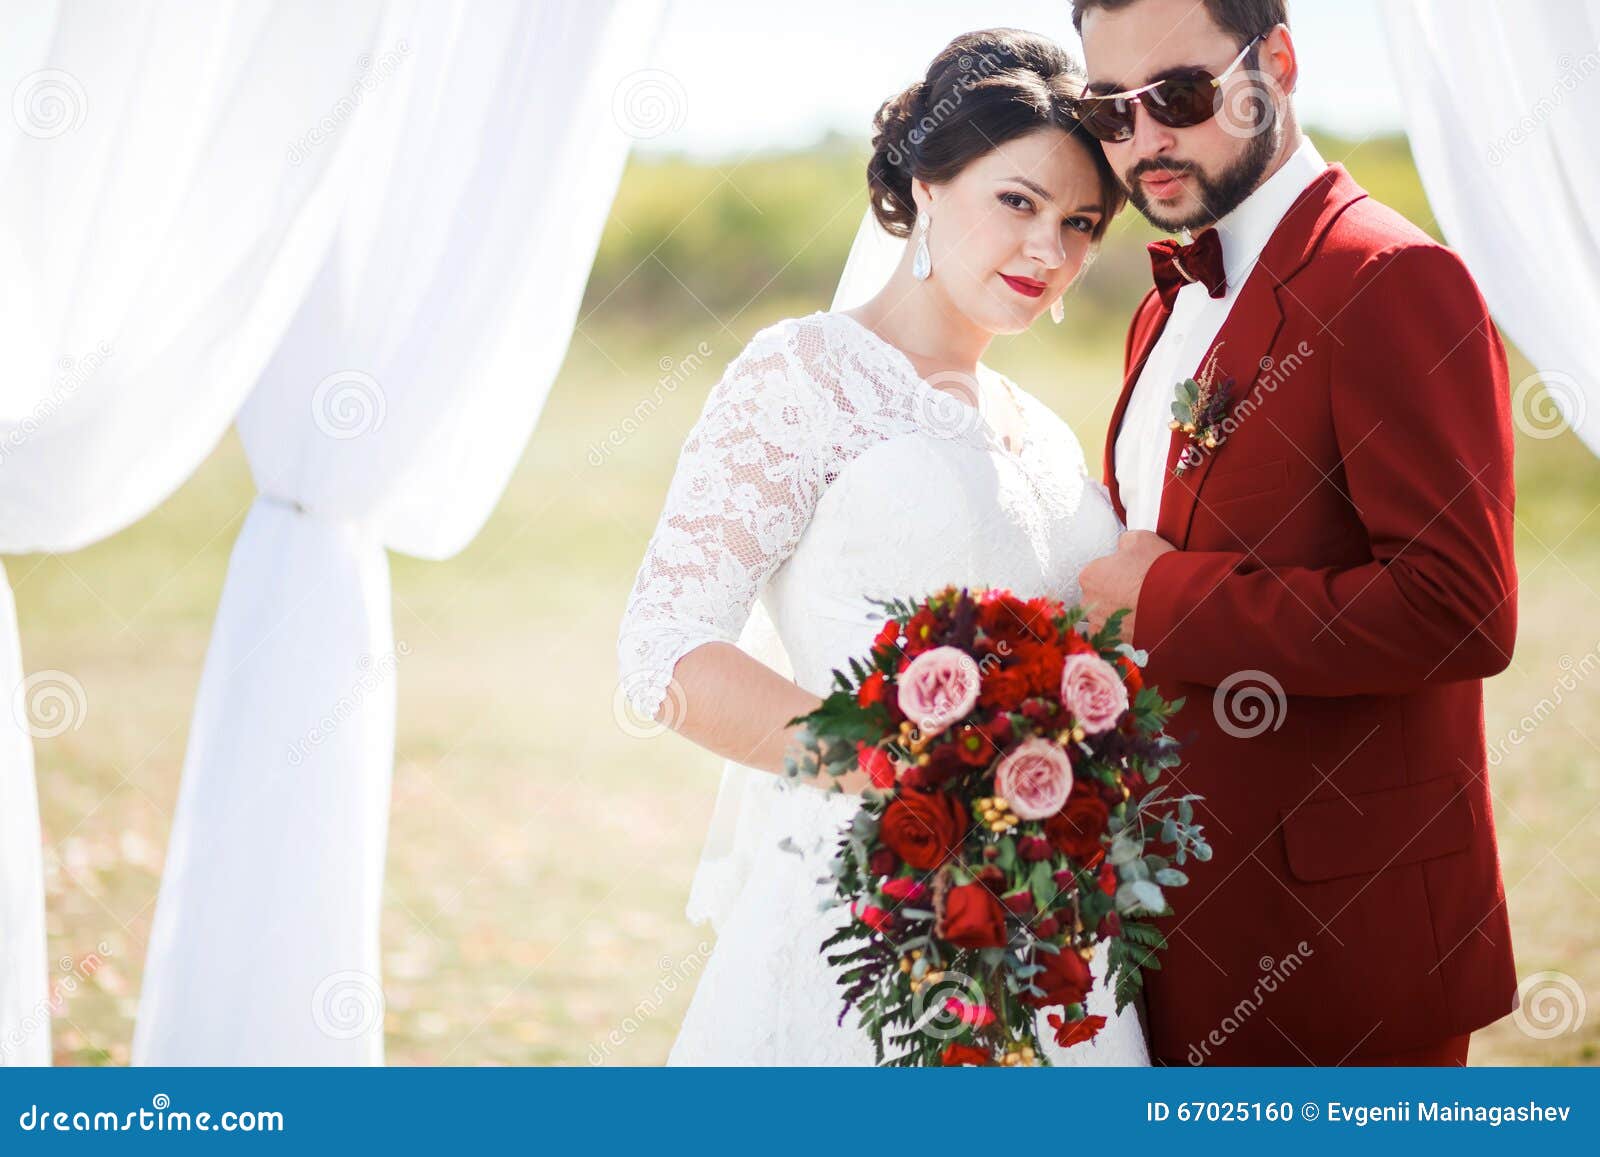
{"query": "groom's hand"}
(1112, 582)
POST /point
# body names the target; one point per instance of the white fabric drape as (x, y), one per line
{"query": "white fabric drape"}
(156, 241)
(391, 417)
(1504, 121)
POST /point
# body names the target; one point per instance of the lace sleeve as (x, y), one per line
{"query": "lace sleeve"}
(747, 481)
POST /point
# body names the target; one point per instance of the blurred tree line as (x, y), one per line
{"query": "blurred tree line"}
(738, 240)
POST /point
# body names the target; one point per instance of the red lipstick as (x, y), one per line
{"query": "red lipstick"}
(1026, 286)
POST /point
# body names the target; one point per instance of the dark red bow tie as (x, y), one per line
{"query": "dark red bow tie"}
(1176, 265)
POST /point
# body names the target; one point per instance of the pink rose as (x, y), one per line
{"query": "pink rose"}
(1094, 692)
(975, 1015)
(938, 687)
(1035, 779)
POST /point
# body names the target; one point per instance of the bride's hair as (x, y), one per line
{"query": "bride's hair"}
(983, 89)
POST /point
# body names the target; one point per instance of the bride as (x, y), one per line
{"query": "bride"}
(869, 453)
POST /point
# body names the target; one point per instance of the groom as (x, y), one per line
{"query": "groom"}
(1319, 559)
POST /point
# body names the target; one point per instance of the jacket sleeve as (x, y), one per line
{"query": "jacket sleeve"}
(1422, 420)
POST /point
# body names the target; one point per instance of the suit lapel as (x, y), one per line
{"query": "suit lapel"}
(1241, 346)
(1244, 343)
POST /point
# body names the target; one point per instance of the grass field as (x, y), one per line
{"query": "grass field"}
(539, 856)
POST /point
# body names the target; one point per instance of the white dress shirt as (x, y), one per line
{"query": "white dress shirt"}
(1142, 443)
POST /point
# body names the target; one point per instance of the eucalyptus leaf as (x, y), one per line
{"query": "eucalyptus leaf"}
(1141, 894)
(1124, 850)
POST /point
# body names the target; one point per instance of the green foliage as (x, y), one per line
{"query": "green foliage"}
(769, 233)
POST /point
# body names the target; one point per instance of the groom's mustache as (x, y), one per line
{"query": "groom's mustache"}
(1173, 168)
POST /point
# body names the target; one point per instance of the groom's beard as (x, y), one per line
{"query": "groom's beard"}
(1218, 195)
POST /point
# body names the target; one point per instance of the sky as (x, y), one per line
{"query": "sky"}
(742, 75)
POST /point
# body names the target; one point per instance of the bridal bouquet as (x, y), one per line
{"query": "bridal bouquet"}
(1012, 823)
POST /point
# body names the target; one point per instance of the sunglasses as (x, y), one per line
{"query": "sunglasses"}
(1179, 102)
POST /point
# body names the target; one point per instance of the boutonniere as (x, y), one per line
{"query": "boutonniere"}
(1200, 406)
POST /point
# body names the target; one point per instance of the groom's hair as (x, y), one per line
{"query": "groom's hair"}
(1241, 19)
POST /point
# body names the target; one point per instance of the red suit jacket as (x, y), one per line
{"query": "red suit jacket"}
(1343, 583)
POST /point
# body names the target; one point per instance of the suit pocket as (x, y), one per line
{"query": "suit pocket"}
(1352, 835)
(1245, 482)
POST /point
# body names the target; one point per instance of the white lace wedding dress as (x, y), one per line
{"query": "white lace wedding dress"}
(824, 470)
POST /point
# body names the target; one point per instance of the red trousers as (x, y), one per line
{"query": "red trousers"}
(1449, 1052)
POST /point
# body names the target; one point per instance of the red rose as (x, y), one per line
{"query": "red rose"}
(1132, 679)
(877, 765)
(1020, 901)
(883, 862)
(970, 917)
(904, 888)
(1071, 1032)
(944, 764)
(1076, 829)
(1047, 928)
(1065, 979)
(871, 690)
(1032, 849)
(888, 637)
(959, 1054)
(923, 828)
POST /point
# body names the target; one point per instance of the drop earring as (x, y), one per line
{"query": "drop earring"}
(1058, 309)
(922, 262)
